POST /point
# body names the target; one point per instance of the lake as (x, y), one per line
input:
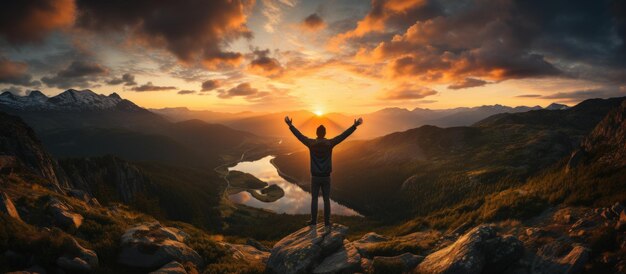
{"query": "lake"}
(295, 201)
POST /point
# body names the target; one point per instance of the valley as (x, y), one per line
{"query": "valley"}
(521, 183)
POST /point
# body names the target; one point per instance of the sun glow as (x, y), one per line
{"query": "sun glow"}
(318, 112)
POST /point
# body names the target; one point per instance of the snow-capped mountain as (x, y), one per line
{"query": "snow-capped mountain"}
(69, 100)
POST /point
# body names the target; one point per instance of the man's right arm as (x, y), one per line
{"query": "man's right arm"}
(306, 141)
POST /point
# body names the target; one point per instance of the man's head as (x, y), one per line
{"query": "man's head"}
(321, 131)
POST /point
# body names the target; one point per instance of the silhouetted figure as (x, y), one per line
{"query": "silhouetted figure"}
(321, 151)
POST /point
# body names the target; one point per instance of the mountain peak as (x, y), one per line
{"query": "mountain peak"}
(557, 106)
(36, 94)
(115, 96)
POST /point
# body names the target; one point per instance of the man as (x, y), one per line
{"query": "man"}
(321, 150)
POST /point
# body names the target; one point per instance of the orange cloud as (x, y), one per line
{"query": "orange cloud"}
(31, 21)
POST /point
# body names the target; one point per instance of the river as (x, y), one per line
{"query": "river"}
(295, 201)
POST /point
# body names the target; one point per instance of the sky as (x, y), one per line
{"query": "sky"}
(351, 56)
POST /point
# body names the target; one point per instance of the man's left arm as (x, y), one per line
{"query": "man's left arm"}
(335, 141)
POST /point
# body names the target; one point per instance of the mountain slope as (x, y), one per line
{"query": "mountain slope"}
(422, 170)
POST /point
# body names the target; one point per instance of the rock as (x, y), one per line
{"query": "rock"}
(397, 264)
(172, 267)
(477, 251)
(74, 265)
(607, 213)
(246, 253)
(150, 246)
(535, 232)
(62, 215)
(256, 244)
(501, 252)
(621, 222)
(35, 269)
(345, 260)
(617, 208)
(550, 261)
(300, 251)
(7, 206)
(376, 245)
(85, 254)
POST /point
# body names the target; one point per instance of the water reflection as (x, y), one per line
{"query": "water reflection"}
(295, 201)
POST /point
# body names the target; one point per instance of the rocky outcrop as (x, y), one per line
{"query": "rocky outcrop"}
(608, 138)
(78, 258)
(345, 260)
(150, 246)
(303, 250)
(552, 259)
(397, 264)
(19, 143)
(246, 253)
(63, 216)
(478, 251)
(7, 206)
(173, 267)
(123, 179)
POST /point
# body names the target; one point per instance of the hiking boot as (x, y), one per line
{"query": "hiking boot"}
(311, 223)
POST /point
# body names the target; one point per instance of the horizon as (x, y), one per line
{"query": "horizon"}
(328, 56)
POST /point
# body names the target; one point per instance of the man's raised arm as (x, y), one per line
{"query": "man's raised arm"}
(306, 141)
(335, 141)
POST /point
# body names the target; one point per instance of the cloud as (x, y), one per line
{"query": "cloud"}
(209, 85)
(150, 87)
(30, 21)
(407, 92)
(494, 40)
(241, 90)
(77, 74)
(184, 92)
(580, 95)
(191, 30)
(313, 22)
(15, 73)
(529, 96)
(273, 10)
(14, 90)
(265, 65)
(468, 83)
(127, 79)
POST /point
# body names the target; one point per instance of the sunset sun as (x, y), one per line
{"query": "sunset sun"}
(318, 112)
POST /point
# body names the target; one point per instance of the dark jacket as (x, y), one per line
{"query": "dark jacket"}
(321, 150)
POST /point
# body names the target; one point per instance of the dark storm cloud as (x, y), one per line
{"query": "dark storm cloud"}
(127, 79)
(313, 22)
(209, 85)
(468, 83)
(15, 73)
(191, 30)
(499, 40)
(185, 92)
(14, 90)
(150, 87)
(23, 21)
(264, 65)
(77, 74)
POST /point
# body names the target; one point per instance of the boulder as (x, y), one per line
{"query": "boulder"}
(246, 253)
(35, 269)
(396, 264)
(480, 249)
(73, 265)
(302, 250)
(550, 259)
(621, 222)
(150, 246)
(617, 208)
(62, 215)
(7, 206)
(256, 244)
(172, 267)
(345, 260)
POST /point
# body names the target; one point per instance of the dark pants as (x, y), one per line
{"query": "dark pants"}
(324, 184)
